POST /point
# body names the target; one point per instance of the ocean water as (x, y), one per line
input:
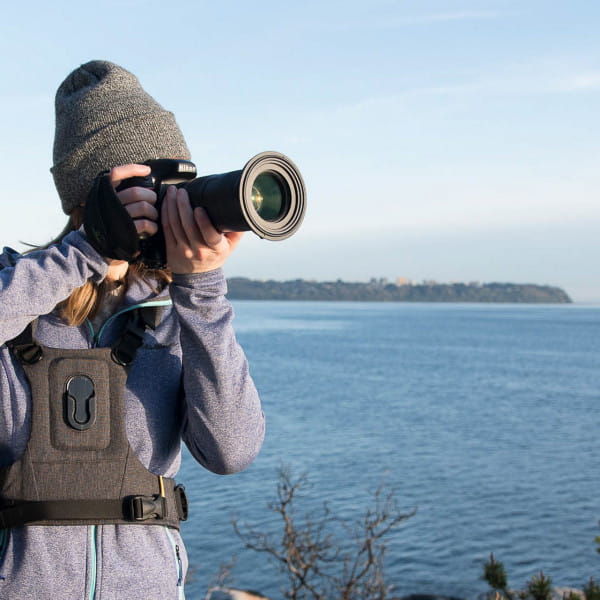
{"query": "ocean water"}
(485, 418)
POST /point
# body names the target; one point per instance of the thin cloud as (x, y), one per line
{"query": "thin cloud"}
(583, 81)
(454, 16)
(533, 81)
(380, 22)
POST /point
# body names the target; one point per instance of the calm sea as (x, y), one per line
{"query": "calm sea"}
(486, 418)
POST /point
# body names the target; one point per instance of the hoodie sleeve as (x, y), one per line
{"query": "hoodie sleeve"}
(38, 281)
(224, 425)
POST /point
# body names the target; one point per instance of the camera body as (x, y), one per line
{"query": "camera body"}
(165, 172)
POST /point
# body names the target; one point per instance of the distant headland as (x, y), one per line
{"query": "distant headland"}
(380, 290)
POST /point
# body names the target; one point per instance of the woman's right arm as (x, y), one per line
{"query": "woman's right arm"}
(40, 280)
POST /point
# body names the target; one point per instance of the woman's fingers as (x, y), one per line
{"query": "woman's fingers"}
(172, 220)
(193, 243)
(202, 223)
(138, 201)
(117, 174)
(136, 194)
(165, 216)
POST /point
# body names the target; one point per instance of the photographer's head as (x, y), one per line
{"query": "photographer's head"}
(104, 118)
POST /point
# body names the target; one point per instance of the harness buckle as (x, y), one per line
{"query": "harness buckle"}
(142, 508)
(30, 353)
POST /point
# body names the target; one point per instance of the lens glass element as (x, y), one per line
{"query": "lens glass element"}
(267, 197)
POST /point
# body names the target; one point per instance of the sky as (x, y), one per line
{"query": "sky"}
(440, 140)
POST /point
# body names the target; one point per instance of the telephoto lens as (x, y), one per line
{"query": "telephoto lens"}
(267, 197)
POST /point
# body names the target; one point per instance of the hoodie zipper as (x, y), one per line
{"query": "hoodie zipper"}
(93, 540)
(4, 536)
(178, 564)
(93, 529)
(93, 533)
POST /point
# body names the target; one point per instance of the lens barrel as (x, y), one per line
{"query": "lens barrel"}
(267, 197)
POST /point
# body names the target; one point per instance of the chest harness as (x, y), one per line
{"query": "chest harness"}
(78, 467)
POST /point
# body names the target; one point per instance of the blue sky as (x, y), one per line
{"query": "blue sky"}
(455, 141)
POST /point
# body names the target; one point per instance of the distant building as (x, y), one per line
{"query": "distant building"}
(403, 281)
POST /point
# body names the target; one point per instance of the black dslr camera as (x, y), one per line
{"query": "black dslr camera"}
(267, 197)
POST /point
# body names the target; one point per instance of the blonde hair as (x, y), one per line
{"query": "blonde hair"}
(84, 301)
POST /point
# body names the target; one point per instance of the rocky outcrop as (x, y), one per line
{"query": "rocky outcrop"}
(235, 594)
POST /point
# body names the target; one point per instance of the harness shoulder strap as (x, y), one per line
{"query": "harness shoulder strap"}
(140, 318)
(25, 345)
(10, 257)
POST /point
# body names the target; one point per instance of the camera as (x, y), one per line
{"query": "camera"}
(267, 197)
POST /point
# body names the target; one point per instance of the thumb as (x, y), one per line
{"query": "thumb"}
(234, 237)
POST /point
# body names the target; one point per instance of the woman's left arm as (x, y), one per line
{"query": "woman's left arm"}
(224, 424)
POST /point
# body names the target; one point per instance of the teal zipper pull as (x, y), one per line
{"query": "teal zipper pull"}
(94, 341)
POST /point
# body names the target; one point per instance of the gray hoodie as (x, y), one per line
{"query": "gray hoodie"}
(189, 382)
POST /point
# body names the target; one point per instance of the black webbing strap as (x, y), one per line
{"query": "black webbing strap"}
(133, 509)
(125, 349)
(48, 510)
(25, 345)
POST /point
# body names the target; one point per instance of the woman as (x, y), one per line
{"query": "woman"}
(90, 443)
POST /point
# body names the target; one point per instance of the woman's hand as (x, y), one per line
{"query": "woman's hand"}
(138, 201)
(193, 244)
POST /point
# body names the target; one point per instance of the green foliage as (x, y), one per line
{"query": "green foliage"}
(495, 574)
(540, 587)
(592, 589)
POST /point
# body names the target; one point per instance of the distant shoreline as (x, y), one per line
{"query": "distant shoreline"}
(241, 288)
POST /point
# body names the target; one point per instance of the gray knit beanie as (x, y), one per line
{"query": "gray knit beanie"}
(104, 118)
